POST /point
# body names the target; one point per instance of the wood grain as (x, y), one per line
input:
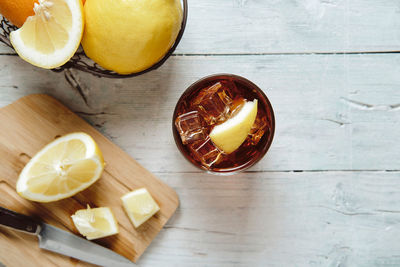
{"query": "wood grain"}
(326, 194)
(21, 248)
(332, 112)
(282, 219)
(35, 120)
(297, 26)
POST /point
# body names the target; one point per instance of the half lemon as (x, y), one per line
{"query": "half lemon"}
(50, 37)
(61, 169)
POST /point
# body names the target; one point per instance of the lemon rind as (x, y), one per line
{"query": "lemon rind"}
(60, 56)
(136, 223)
(218, 136)
(92, 152)
(110, 218)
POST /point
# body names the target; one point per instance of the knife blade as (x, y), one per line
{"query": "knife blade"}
(56, 240)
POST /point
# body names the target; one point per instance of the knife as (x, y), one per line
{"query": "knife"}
(62, 242)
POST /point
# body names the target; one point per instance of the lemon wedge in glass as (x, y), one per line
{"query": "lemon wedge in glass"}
(50, 37)
(229, 135)
(95, 223)
(140, 206)
(61, 169)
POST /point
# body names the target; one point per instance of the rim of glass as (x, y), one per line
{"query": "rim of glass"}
(248, 84)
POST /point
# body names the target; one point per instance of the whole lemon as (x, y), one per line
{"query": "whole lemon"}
(129, 36)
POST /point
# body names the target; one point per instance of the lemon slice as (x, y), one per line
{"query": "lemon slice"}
(95, 223)
(61, 169)
(229, 135)
(50, 37)
(140, 206)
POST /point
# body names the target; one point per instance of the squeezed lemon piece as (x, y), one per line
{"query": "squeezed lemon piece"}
(140, 206)
(95, 223)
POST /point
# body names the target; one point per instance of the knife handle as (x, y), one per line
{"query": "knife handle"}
(19, 221)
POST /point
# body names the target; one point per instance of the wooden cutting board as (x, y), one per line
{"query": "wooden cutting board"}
(26, 126)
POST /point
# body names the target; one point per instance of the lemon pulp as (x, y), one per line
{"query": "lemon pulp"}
(95, 223)
(229, 135)
(140, 206)
(50, 37)
(61, 169)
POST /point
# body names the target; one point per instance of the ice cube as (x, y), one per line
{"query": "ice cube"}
(236, 105)
(213, 103)
(258, 129)
(231, 86)
(190, 127)
(206, 152)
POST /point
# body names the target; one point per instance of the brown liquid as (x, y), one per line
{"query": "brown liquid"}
(206, 104)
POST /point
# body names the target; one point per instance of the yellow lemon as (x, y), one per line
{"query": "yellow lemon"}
(140, 206)
(229, 135)
(61, 169)
(129, 36)
(95, 223)
(50, 37)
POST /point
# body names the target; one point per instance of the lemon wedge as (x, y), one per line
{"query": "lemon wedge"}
(95, 223)
(50, 37)
(229, 135)
(140, 206)
(61, 169)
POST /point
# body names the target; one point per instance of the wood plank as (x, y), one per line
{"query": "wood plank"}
(22, 248)
(243, 26)
(32, 122)
(298, 26)
(322, 123)
(282, 219)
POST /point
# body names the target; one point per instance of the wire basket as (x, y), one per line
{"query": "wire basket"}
(81, 62)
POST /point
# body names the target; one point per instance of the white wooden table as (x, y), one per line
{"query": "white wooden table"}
(328, 191)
